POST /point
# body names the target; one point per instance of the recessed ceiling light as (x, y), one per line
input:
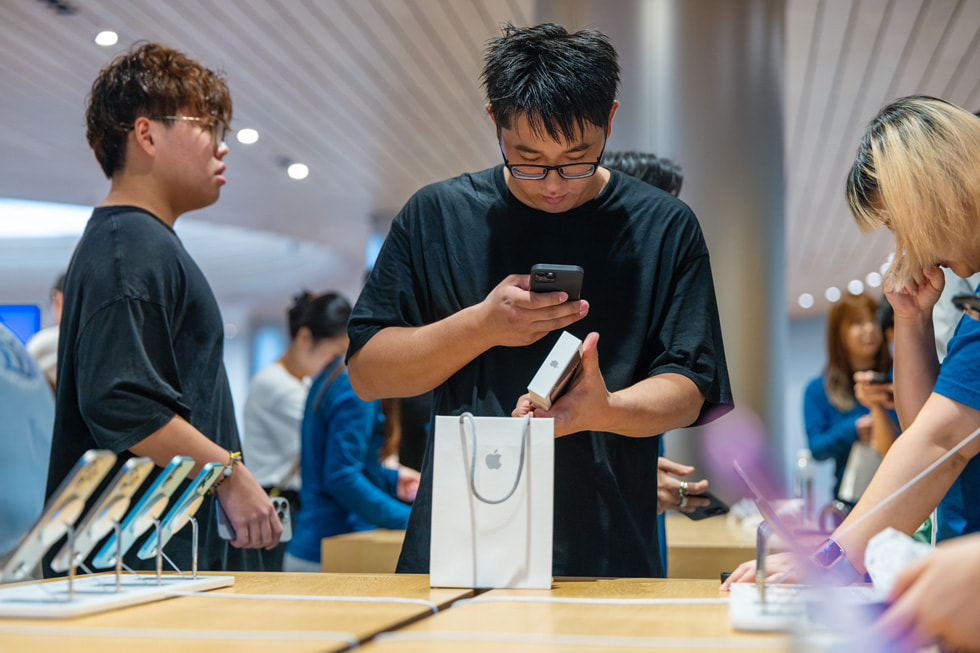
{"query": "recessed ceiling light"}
(298, 171)
(832, 294)
(873, 279)
(805, 300)
(106, 38)
(247, 136)
(855, 287)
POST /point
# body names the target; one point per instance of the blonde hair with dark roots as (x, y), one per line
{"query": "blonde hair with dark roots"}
(917, 172)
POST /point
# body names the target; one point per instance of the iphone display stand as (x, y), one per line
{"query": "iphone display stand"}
(76, 595)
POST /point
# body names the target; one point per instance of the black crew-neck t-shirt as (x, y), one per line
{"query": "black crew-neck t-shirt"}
(141, 341)
(649, 287)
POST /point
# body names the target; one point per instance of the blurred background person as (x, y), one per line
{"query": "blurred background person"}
(43, 345)
(27, 407)
(833, 416)
(673, 492)
(277, 398)
(345, 486)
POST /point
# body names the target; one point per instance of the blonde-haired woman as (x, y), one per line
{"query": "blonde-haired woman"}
(917, 173)
(832, 414)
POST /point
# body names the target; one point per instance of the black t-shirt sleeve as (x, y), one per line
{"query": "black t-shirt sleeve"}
(132, 384)
(390, 296)
(690, 331)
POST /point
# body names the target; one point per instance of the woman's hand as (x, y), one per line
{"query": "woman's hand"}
(915, 299)
(871, 394)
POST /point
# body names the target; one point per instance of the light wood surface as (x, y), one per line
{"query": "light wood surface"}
(695, 549)
(375, 551)
(706, 547)
(487, 625)
(209, 623)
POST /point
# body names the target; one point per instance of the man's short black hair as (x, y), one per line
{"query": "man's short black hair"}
(561, 82)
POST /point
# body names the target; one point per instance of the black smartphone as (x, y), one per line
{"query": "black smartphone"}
(969, 304)
(715, 507)
(549, 277)
(880, 377)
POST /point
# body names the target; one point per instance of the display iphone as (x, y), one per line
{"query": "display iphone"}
(149, 507)
(60, 512)
(183, 510)
(715, 507)
(108, 509)
(552, 278)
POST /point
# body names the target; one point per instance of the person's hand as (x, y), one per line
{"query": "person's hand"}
(935, 598)
(864, 425)
(777, 565)
(249, 510)
(513, 316)
(920, 293)
(674, 493)
(870, 394)
(408, 484)
(584, 404)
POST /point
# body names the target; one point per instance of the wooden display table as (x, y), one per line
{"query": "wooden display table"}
(373, 552)
(705, 548)
(643, 614)
(213, 621)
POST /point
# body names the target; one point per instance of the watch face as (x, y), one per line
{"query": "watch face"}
(828, 554)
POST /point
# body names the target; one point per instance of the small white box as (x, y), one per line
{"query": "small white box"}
(557, 369)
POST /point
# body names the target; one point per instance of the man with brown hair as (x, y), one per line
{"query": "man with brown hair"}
(140, 360)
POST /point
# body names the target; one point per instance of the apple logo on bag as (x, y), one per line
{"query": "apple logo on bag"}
(554, 364)
(493, 460)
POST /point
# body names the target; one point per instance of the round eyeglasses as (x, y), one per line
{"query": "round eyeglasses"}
(219, 130)
(535, 172)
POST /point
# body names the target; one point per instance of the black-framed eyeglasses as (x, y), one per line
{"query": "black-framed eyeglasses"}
(219, 130)
(969, 304)
(565, 171)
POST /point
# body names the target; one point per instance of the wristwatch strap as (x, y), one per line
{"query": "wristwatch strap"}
(830, 557)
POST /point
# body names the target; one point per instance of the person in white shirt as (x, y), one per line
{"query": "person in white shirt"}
(277, 398)
(43, 345)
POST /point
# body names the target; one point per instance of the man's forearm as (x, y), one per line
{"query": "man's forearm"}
(654, 405)
(407, 361)
(916, 367)
(178, 437)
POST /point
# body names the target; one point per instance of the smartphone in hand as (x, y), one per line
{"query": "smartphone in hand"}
(715, 507)
(546, 277)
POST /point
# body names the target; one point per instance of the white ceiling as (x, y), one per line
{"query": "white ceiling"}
(379, 97)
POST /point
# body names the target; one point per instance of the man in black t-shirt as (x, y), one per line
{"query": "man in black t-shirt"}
(447, 306)
(140, 363)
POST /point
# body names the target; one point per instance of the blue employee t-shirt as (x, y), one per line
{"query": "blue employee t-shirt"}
(959, 380)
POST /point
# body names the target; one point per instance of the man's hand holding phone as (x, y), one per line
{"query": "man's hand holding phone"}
(586, 403)
(250, 511)
(512, 316)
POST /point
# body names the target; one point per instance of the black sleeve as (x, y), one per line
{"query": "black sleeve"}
(132, 387)
(391, 295)
(691, 330)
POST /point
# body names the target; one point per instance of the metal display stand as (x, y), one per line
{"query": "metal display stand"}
(76, 596)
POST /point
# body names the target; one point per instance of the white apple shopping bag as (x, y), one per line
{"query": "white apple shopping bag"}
(492, 502)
